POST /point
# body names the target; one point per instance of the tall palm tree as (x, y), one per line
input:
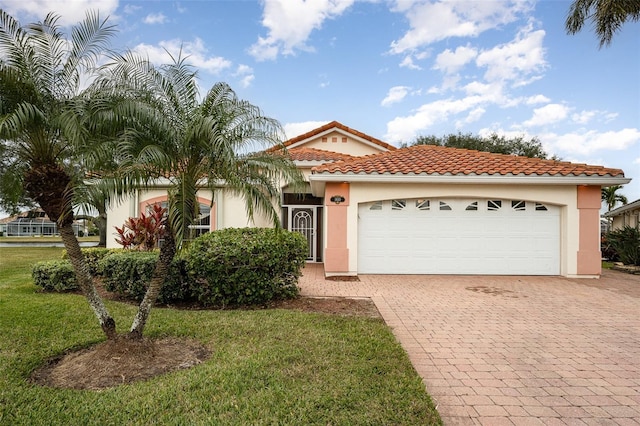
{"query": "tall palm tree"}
(41, 73)
(192, 143)
(611, 197)
(607, 16)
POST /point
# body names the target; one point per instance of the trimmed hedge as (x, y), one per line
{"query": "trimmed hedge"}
(246, 266)
(54, 275)
(93, 256)
(128, 274)
(230, 267)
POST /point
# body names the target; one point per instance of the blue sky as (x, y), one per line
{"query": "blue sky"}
(403, 68)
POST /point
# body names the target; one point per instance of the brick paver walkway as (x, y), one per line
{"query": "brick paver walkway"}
(513, 350)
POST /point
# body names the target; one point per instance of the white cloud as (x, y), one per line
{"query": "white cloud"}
(290, 23)
(69, 14)
(245, 73)
(195, 51)
(519, 60)
(589, 142)
(452, 61)
(407, 62)
(129, 9)
(551, 113)
(155, 18)
(475, 115)
(583, 117)
(404, 129)
(537, 99)
(296, 129)
(437, 20)
(395, 94)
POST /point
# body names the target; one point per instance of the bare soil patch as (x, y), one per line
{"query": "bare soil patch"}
(124, 360)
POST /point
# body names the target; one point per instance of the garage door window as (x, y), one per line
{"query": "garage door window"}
(398, 204)
(494, 205)
(376, 206)
(444, 206)
(423, 204)
(472, 207)
(541, 207)
(518, 206)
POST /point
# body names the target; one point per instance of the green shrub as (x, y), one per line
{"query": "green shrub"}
(93, 256)
(54, 275)
(128, 273)
(246, 266)
(626, 243)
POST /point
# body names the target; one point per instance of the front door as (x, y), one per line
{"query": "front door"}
(302, 219)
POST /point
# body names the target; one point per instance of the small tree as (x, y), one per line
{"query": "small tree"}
(611, 197)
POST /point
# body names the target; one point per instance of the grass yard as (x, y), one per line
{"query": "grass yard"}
(268, 367)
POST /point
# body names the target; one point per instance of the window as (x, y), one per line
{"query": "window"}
(202, 224)
(423, 204)
(376, 206)
(444, 206)
(494, 205)
(518, 206)
(472, 207)
(541, 207)
(398, 204)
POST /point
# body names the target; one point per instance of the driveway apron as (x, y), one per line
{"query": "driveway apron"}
(505, 350)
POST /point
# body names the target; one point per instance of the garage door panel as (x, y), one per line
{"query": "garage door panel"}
(498, 237)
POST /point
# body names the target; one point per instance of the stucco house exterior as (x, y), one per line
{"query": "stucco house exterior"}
(371, 208)
(627, 215)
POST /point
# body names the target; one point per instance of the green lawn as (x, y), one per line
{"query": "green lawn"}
(269, 367)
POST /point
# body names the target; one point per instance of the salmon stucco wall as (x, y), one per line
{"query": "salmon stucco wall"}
(336, 252)
(589, 255)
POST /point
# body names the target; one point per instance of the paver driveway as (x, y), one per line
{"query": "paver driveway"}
(513, 350)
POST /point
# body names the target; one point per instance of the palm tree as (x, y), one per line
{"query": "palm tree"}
(41, 73)
(607, 16)
(169, 133)
(611, 197)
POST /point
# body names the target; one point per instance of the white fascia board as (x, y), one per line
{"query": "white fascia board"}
(309, 164)
(631, 206)
(471, 179)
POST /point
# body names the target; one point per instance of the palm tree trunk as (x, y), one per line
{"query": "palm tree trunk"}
(85, 281)
(167, 253)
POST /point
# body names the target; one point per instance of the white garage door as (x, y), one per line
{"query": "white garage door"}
(458, 236)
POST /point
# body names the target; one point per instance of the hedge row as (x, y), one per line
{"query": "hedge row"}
(229, 267)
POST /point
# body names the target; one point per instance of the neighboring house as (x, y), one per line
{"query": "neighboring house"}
(33, 223)
(627, 215)
(371, 208)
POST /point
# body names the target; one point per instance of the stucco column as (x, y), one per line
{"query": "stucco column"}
(336, 253)
(589, 256)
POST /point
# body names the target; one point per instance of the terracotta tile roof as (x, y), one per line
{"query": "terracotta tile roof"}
(337, 125)
(313, 154)
(437, 160)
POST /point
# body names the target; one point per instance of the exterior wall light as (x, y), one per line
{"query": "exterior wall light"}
(337, 199)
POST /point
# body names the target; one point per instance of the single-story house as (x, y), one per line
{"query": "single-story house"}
(371, 208)
(627, 215)
(32, 223)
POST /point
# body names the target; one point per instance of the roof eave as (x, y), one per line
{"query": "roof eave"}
(631, 206)
(318, 180)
